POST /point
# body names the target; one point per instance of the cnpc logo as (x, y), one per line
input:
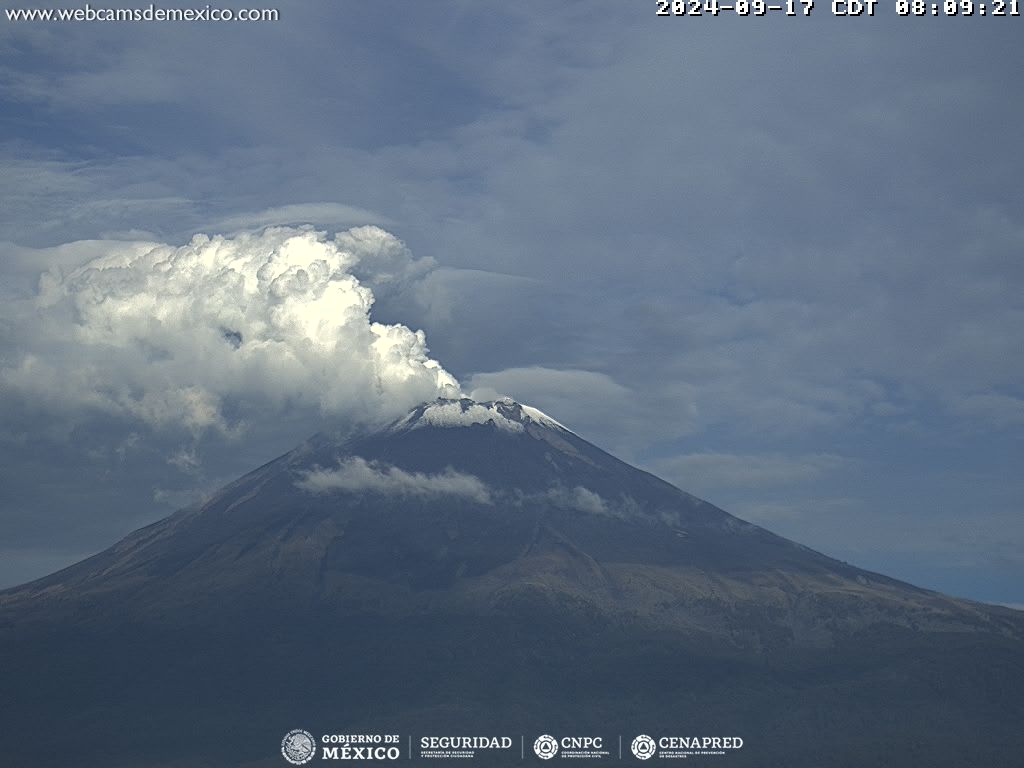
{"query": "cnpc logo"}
(545, 747)
(548, 746)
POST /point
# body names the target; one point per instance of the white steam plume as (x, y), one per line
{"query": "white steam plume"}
(199, 335)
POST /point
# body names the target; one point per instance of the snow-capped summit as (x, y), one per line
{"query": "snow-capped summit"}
(505, 414)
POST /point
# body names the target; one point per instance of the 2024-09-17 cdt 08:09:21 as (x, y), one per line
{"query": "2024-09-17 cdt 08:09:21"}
(841, 8)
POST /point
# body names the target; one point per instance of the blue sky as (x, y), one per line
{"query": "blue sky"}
(777, 261)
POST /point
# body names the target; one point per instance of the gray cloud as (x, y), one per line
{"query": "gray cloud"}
(992, 409)
(707, 471)
(320, 214)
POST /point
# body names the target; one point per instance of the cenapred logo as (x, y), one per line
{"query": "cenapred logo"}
(546, 747)
(298, 747)
(643, 747)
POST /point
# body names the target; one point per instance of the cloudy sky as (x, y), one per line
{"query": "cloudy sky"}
(778, 261)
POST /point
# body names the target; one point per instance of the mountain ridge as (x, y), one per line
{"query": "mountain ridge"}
(455, 440)
(416, 570)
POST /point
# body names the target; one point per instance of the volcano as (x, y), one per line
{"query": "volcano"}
(477, 567)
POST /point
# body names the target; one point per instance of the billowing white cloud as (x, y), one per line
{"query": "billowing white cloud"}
(357, 474)
(205, 335)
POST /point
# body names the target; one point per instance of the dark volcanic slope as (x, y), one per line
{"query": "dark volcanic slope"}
(478, 566)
